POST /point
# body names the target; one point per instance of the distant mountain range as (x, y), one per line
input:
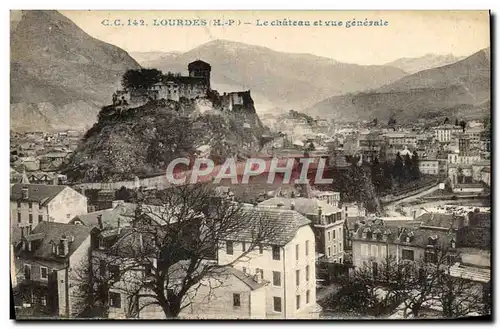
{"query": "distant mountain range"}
(461, 88)
(60, 76)
(429, 61)
(276, 78)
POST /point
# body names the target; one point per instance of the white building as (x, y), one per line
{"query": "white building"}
(287, 261)
(31, 204)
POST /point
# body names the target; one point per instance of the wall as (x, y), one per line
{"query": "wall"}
(66, 205)
(25, 212)
(217, 303)
(286, 266)
(77, 263)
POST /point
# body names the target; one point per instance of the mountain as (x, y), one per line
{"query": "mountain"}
(429, 61)
(60, 76)
(461, 88)
(278, 79)
(148, 56)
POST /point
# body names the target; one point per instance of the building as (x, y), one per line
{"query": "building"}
(445, 133)
(401, 139)
(429, 166)
(31, 204)
(327, 220)
(287, 261)
(48, 261)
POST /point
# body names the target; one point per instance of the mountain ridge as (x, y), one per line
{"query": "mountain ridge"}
(458, 87)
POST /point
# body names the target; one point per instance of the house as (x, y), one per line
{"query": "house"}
(225, 292)
(286, 260)
(327, 221)
(31, 204)
(429, 167)
(47, 264)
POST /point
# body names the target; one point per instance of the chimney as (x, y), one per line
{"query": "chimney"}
(99, 222)
(55, 180)
(257, 278)
(64, 245)
(25, 193)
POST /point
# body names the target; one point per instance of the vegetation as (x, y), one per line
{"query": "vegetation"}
(141, 78)
(381, 289)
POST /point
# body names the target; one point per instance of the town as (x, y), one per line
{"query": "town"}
(402, 230)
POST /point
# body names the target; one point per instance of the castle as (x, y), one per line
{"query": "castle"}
(176, 86)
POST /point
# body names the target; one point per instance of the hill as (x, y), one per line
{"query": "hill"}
(461, 87)
(142, 141)
(429, 61)
(276, 78)
(60, 76)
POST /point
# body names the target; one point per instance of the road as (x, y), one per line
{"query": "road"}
(390, 207)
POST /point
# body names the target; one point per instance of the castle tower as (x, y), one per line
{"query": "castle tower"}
(200, 69)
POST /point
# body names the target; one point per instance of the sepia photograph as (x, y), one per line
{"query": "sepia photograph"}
(250, 165)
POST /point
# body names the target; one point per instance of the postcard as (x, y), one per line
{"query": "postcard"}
(231, 165)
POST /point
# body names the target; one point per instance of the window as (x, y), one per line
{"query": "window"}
(236, 300)
(307, 273)
(297, 301)
(114, 270)
(296, 252)
(31, 205)
(243, 246)
(68, 216)
(229, 247)
(30, 220)
(340, 246)
(307, 247)
(329, 252)
(115, 300)
(308, 293)
(297, 277)
(333, 234)
(40, 218)
(260, 272)
(43, 301)
(244, 270)
(27, 271)
(276, 278)
(19, 217)
(329, 236)
(43, 272)
(407, 254)
(18, 204)
(276, 253)
(277, 304)
(261, 249)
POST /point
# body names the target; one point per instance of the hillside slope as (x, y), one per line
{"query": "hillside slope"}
(60, 76)
(142, 141)
(429, 61)
(456, 89)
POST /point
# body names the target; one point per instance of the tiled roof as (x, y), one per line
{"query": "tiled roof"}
(110, 217)
(36, 192)
(435, 219)
(302, 205)
(471, 273)
(247, 279)
(52, 232)
(283, 224)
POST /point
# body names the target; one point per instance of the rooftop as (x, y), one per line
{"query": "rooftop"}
(284, 224)
(36, 192)
(304, 206)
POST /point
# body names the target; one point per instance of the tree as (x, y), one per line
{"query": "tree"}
(415, 170)
(446, 120)
(398, 170)
(169, 252)
(141, 79)
(463, 124)
(456, 123)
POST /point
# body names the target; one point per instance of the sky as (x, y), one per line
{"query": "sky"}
(407, 33)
